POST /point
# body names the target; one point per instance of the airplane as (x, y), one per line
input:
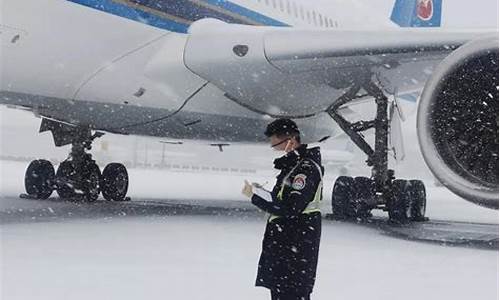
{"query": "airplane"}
(221, 70)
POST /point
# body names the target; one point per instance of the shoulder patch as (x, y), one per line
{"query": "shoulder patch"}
(299, 181)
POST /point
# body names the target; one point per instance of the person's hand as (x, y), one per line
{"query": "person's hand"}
(247, 190)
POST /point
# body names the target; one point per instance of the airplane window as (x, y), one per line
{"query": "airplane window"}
(281, 6)
(308, 17)
(295, 12)
(320, 20)
(274, 3)
(331, 23)
(314, 18)
(288, 9)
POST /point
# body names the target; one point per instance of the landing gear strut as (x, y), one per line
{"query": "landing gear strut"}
(77, 177)
(405, 200)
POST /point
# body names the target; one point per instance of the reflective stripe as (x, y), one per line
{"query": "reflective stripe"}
(313, 206)
(280, 193)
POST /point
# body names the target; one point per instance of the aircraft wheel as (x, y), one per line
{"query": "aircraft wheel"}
(65, 182)
(342, 195)
(92, 182)
(419, 201)
(365, 192)
(39, 179)
(114, 182)
(400, 206)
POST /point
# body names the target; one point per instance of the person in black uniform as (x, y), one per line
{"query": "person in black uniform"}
(290, 247)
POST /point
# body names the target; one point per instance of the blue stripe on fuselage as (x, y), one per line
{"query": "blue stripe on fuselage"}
(235, 8)
(133, 11)
(190, 11)
(135, 14)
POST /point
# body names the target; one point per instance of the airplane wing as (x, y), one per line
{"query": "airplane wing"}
(298, 73)
(301, 73)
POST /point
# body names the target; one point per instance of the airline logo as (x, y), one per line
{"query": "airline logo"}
(425, 9)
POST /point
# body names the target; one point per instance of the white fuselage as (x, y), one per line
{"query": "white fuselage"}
(86, 66)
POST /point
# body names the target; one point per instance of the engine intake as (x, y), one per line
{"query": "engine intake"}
(457, 122)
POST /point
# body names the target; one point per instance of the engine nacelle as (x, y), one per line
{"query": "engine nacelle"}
(457, 122)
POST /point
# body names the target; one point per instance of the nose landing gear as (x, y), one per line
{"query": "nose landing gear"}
(78, 177)
(39, 179)
(114, 182)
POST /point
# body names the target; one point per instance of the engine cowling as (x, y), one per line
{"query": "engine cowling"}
(457, 122)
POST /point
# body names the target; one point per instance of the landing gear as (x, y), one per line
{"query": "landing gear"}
(77, 177)
(349, 197)
(65, 174)
(39, 179)
(400, 205)
(365, 191)
(405, 200)
(73, 181)
(419, 200)
(114, 182)
(342, 196)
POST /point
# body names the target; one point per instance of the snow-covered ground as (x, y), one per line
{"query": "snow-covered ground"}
(192, 235)
(165, 251)
(215, 257)
(157, 184)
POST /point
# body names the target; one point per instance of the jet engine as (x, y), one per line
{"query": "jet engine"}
(457, 122)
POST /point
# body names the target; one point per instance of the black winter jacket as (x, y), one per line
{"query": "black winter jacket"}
(291, 242)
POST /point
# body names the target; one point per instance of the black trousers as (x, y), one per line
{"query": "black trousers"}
(286, 296)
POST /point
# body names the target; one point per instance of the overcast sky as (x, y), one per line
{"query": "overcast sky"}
(456, 13)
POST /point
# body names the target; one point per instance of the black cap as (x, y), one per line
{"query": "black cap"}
(282, 127)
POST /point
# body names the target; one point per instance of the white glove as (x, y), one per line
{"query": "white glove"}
(247, 190)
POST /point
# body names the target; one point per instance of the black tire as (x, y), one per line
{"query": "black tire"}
(114, 184)
(65, 180)
(342, 195)
(92, 182)
(400, 206)
(39, 179)
(419, 200)
(365, 192)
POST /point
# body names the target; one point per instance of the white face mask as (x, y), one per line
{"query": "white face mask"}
(277, 153)
(280, 153)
